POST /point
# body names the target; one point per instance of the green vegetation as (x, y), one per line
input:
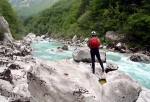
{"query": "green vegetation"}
(60, 18)
(69, 17)
(11, 17)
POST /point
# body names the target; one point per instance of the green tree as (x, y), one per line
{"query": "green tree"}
(11, 17)
(69, 17)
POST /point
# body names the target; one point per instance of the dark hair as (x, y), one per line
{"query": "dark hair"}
(93, 35)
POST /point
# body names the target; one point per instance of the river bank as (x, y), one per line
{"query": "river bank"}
(25, 78)
(35, 80)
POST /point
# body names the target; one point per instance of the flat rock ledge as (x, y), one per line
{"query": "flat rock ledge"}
(67, 81)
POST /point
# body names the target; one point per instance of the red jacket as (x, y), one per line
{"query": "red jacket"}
(93, 43)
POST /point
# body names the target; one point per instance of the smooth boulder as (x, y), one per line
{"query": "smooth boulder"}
(138, 57)
(83, 55)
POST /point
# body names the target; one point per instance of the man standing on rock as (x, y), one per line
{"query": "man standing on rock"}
(94, 44)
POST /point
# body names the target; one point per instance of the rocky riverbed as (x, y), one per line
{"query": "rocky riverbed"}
(24, 78)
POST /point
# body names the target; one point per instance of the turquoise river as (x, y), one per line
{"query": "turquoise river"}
(138, 70)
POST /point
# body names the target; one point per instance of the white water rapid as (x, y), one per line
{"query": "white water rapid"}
(138, 70)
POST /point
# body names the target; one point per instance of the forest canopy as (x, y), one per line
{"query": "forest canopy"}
(69, 17)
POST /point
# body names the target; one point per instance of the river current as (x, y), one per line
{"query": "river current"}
(140, 71)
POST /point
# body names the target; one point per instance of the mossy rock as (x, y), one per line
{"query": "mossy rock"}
(102, 81)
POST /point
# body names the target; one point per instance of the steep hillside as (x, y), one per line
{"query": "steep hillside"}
(30, 7)
(59, 18)
(68, 17)
(11, 17)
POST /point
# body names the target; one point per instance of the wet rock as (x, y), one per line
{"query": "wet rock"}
(110, 66)
(65, 47)
(137, 57)
(59, 49)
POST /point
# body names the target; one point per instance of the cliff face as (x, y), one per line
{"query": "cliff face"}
(5, 33)
(4, 24)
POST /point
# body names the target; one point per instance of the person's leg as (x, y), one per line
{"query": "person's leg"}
(93, 60)
(99, 59)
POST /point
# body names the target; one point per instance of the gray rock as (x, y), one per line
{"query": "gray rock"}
(110, 66)
(5, 88)
(137, 57)
(65, 81)
(83, 54)
(120, 87)
(65, 47)
(4, 24)
(74, 39)
(114, 36)
(3, 99)
(144, 95)
(59, 83)
(7, 37)
(6, 75)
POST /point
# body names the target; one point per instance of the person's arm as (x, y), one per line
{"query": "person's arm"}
(99, 42)
(88, 43)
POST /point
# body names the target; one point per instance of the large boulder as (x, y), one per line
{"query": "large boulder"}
(74, 39)
(83, 54)
(66, 81)
(29, 38)
(13, 80)
(4, 24)
(113, 36)
(65, 47)
(138, 57)
(5, 34)
(63, 81)
(144, 95)
(120, 87)
(110, 66)
(121, 47)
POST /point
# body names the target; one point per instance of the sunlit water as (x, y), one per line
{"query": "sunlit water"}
(139, 71)
(43, 50)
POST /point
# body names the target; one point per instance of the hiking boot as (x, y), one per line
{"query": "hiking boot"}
(103, 70)
(93, 72)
